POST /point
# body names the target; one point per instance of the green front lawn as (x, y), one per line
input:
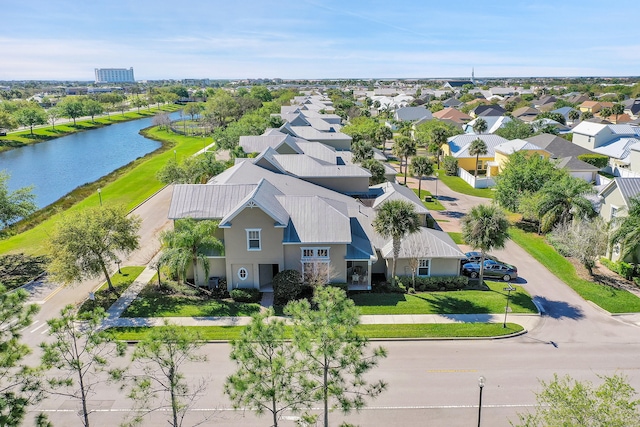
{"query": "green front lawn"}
(457, 237)
(453, 302)
(439, 330)
(120, 281)
(152, 302)
(433, 205)
(611, 299)
(458, 185)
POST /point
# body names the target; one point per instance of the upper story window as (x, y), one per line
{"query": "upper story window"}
(423, 267)
(315, 253)
(614, 212)
(254, 242)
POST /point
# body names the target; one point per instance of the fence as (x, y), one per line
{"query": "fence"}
(475, 182)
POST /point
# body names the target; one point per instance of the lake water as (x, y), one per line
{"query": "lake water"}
(58, 166)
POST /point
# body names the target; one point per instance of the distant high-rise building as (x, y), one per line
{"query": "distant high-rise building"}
(114, 75)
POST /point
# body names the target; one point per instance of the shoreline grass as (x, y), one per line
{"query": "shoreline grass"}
(405, 331)
(611, 299)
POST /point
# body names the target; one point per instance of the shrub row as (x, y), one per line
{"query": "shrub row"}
(622, 268)
(245, 295)
(422, 284)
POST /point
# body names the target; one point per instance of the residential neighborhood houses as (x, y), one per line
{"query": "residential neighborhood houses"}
(301, 202)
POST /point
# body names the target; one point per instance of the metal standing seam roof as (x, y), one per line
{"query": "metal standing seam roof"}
(426, 243)
(618, 148)
(514, 145)
(395, 191)
(315, 220)
(263, 197)
(629, 187)
(460, 144)
(205, 201)
(305, 166)
(312, 134)
(320, 151)
(257, 144)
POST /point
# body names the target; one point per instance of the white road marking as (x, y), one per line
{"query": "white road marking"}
(41, 325)
(44, 332)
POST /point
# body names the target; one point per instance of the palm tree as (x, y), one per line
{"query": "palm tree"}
(395, 219)
(485, 227)
(188, 243)
(574, 115)
(421, 166)
(480, 126)
(438, 139)
(403, 148)
(627, 232)
(605, 113)
(617, 109)
(361, 151)
(562, 200)
(476, 148)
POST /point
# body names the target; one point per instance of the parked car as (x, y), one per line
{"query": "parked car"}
(492, 269)
(476, 256)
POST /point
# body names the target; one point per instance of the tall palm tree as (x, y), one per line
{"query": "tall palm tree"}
(403, 148)
(480, 126)
(395, 219)
(574, 115)
(438, 138)
(188, 243)
(477, 147)
(421, 166)
(361, 150)
(627, 232)
(485, 227)
(562, 200)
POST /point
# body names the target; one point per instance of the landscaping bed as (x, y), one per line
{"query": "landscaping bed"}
(105, 298)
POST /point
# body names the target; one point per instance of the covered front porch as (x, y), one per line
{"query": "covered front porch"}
(359, 275)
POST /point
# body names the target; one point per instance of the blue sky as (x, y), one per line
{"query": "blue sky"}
(67, 39)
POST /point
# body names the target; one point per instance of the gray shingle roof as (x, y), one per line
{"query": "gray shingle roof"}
(557, 146)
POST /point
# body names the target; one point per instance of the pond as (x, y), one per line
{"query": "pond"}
(58, 166)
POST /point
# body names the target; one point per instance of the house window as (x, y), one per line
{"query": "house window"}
(242, 273)
(614, 212)
(424, 267)
(316, 265)
(253, 240)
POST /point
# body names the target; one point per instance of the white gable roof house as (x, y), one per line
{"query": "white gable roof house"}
(272, 221)
(493, 123)
(610, 140)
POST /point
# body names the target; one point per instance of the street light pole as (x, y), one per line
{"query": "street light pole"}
(118, 262)
(437, 175)
(100, 195)
(481, 381)
(175, 155)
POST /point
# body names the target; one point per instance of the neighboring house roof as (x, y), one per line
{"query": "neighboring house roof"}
(489, 110)
(557, 146)
(410, 114)
(311, 134)
(574, 164)
(315, 220)
(459, 144)
(458, 83)
(206, 201)
(426, 243)
(395, 191)
(452, 114)
(258, 143)
(629, 188)
(452, 102)
(578, 99)
(263, 197)
(510, 147)
(525, 112)
(493, 123)
(618, 148)
(305, 166)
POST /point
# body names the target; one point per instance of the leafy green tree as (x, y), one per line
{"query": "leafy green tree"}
(587, 115)
(71, 107)
(362, 151)
(396, 219)
(53, 114)
(377, 171)
(477, 147)
(521, 176)
(570, 403)
(193, 109)
(553, 116)
(7, 121)
(564, 199)
(485, 227)
(15, 204)
(336, 357)
(188, 244)
(515, 129)
(92, 108)
(480, 126)
(626, 232)
(222, 108)
(450, 164)
(270, 374)
(606, 112)
(79, 354)
(85, 242)
(19, 384)
(161, 357)
(31, 115)
(261, 93)
(421, 166)
(616, 110)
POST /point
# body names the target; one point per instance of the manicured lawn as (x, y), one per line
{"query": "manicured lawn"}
(611, 299)
(152, 303)
(457, 237)
(458, 185)
(453, 302)
(128, 186)
(433, 205)
(440, 330)
(121, 281)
